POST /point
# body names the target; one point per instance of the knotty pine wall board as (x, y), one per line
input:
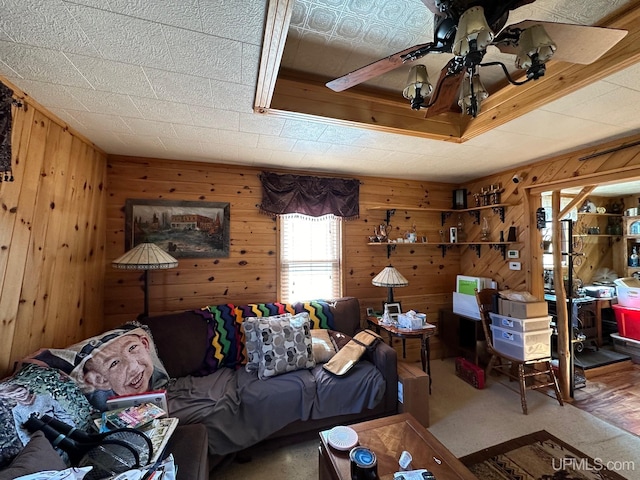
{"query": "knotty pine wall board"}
(250, 272)
(51, 237)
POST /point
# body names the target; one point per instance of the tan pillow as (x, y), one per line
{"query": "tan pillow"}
(323, 346)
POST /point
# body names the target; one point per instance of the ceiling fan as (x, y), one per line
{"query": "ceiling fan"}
(465, 28)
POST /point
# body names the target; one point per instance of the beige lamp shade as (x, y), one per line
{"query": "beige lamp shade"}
(145, 256)
(389, 277)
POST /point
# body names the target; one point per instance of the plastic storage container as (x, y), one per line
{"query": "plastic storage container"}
(628, 296)
(627, 346)
(628, 320)
(520, 324)
(522, 345)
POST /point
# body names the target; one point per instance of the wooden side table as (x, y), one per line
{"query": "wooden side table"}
(388, 437)
(422, 333)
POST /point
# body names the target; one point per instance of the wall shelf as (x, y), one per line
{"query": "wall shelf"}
(475, 246)
(498, 208)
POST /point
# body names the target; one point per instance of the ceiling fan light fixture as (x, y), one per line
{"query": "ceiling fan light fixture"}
(534, 46)
(473, 33)
(472, 94)
(418, 86)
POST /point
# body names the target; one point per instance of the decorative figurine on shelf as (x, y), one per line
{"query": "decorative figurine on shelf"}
(382, 232)
(477, 198)
(634, 260)
(617, 207)
(486, 196)
(495, 191)
(411, 236)
(485, 230)
(462, 236)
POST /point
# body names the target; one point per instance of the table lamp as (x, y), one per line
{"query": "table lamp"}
(389, 277)
(145, 256)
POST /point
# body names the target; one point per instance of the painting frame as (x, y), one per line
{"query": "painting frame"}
(394, 309)
(183, 228)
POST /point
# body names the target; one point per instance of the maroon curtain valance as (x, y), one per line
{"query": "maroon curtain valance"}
(6, 100)
(313, 196)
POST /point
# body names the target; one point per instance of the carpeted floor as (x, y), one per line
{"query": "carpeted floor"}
(537, 456)
(467, 420)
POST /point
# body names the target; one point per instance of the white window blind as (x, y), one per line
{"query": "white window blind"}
(310, 256)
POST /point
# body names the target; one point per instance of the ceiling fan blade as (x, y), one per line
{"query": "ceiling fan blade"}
(575, 43)
(376, 68)
(446, 89)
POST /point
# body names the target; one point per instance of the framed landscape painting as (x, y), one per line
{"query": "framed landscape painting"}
(184, 229)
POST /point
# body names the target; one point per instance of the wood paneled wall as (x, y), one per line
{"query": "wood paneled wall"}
(52, 231)
(610, 162)
(60, 230)
(249, 273)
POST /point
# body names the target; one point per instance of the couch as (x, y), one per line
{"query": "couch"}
(241, 411)
(223, 408)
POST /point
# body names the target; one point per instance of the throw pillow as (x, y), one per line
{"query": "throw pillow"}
(323, 346)
(40, 390)
(37, 456)
(122, 361)
(252, 310)
(285, 345)
(252, 339)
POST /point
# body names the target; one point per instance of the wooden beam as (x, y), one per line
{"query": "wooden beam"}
(562, 317)
(298, 93)
(275, 35)
(281, 93)
(584, 193)
(619, 175)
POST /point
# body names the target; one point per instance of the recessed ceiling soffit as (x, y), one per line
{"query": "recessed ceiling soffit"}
(292, 93)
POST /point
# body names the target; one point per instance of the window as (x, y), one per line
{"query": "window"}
(547, 233)
(310, 257)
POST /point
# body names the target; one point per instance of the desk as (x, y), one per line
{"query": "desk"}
(463, 334)
(388, 437)
(597, 304)
(422, 333)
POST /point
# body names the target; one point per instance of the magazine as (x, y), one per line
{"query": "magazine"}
(136, 416)
(157, 397)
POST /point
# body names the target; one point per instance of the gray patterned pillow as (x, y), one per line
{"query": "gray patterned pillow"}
(285, 345)
(252, 339)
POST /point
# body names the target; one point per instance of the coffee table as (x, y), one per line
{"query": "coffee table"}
(388, 437)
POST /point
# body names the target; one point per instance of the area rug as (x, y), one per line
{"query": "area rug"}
(539, 456)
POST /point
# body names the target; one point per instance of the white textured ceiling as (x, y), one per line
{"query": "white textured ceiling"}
(176, 79)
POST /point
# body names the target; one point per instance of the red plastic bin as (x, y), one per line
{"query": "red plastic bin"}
(628, 320)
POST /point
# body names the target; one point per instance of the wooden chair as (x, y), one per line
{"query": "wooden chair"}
(532, 374)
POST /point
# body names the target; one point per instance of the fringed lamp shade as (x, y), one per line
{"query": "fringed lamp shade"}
(145, 256)
(389, 277)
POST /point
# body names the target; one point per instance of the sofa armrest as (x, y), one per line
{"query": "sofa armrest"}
(189, 446)
(385, 358)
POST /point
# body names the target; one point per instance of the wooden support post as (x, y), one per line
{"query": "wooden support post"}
(562, 318)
